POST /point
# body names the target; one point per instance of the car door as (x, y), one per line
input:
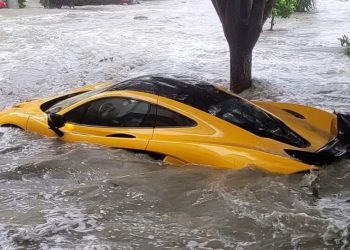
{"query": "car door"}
(114, 122)
(174, 136)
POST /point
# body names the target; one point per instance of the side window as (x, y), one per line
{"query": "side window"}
(114, 112)
(76, 115)
(168, 118)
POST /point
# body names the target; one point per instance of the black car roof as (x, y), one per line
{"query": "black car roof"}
(161, 85)
(190, 91)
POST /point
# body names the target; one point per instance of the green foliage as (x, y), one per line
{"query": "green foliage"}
(284, 9)
(345, 42)
(305, 5)
(22, 3)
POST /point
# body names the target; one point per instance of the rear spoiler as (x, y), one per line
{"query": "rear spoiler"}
(338, 147)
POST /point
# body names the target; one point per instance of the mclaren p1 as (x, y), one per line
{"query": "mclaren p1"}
(187, 121)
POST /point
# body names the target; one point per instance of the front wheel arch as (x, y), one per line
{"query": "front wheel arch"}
(11, 126)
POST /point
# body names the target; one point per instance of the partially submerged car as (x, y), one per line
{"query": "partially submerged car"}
(189, 122)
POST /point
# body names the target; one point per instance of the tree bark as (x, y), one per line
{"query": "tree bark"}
(242, 22)
(240, 70)
(272, 22)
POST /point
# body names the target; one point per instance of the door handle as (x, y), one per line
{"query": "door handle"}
(122, 135)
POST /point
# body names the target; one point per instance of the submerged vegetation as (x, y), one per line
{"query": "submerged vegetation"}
(282, 8)
(305, 5)
(285, 8)
(21, 3)
(345, 42)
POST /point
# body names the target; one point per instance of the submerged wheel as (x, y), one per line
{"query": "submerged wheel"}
(11, 126)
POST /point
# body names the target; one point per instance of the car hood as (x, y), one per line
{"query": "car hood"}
(33, 106)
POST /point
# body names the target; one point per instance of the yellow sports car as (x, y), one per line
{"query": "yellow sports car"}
(189, 122)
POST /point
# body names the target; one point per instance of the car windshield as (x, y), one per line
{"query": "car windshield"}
(70, 101)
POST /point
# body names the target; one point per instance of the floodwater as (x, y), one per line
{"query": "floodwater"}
(56, 195)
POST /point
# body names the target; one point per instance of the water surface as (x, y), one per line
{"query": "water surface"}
(58, 195)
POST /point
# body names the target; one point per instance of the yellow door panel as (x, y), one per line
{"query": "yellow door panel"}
(132, 138)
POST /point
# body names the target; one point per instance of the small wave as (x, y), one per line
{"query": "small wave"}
(59, 222)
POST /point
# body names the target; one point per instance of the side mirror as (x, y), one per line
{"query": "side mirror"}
(56, 121)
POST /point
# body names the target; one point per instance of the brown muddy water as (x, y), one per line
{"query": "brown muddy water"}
(56, 195)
